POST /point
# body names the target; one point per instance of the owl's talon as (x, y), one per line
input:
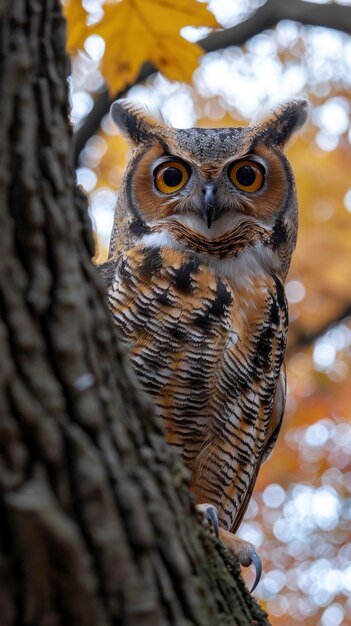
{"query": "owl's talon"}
(244, 551)
(209, 513)
(257, 563)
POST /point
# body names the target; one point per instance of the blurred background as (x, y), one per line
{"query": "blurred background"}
(300, 515)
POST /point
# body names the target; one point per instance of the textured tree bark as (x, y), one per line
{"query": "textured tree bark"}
(97, 526)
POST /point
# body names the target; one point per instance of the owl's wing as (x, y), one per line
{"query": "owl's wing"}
(277, 415)
(271, 438)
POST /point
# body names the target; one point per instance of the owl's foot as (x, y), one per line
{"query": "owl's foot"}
(244, 551)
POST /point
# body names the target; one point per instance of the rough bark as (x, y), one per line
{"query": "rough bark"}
(97, 526)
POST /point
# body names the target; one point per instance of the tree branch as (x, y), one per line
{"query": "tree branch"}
(273, 11)
(303, 339)
(101, 107)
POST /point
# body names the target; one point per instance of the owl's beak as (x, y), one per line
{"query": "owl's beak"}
(209, 204)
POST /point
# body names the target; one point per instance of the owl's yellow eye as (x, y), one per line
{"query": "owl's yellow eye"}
(247, 175)
(171, 176)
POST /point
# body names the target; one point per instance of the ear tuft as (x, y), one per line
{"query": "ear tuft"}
(283, 122)
(134, 121)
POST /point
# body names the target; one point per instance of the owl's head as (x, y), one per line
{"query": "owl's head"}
(219, 192)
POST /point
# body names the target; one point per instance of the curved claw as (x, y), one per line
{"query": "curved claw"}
(210, 513)
(244, 551)
(257, 563)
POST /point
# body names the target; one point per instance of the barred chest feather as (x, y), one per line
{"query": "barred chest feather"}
(209, 349)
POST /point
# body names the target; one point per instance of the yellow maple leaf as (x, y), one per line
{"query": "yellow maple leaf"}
(136, 31)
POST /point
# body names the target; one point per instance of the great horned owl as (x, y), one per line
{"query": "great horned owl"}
(204, 230)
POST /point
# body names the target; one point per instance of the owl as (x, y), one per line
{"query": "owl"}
(204, 230)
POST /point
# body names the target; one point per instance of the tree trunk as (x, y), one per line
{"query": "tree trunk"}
(97, 526)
